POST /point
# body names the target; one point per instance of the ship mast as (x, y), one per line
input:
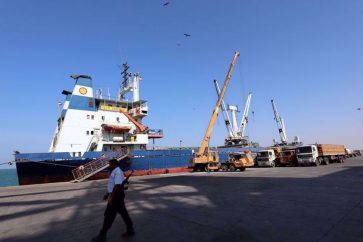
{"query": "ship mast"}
(131, 83)
(125, 74)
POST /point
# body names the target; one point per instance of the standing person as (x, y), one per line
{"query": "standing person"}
(115, 203)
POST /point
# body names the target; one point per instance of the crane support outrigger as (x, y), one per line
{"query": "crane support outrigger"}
(210, 159)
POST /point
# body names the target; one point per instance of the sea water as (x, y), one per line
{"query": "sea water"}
(8, 177)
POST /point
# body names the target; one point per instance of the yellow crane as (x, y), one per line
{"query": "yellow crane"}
(210, 159)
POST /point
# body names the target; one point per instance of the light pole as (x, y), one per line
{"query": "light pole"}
(180, 144)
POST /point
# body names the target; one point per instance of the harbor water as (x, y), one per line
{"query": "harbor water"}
(8, 177)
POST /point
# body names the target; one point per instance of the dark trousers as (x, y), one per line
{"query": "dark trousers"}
(118, 206)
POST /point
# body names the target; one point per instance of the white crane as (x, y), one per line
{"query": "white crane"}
(226, 118)
(244, 120)
(236, 134)
(280, 124)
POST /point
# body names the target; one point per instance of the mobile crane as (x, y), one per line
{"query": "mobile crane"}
(205, 159)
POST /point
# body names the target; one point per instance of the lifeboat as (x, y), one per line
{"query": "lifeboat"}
(115, 128)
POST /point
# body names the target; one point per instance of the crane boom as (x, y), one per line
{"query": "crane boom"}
(280, 124)
(216, 107)
(225, 114)
(244, 120)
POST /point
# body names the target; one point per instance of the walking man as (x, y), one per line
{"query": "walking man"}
(115, 203)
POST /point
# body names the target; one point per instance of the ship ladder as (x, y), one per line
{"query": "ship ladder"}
(87, 170)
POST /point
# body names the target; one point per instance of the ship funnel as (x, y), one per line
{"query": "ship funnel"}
(82, 97)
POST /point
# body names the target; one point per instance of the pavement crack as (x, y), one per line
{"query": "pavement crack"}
(339, 221)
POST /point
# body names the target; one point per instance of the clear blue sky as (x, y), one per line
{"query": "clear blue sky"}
(307, 55)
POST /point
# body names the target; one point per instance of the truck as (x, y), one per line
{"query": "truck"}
(267, 157)
(320, 154)
(287, 157)
(238, 161)
(358, 152)
(348, 153)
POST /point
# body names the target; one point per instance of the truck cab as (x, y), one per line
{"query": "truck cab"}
(307, 155)
(288, 157)
(266, 158)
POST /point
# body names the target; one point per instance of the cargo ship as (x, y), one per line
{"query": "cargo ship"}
(93, 128)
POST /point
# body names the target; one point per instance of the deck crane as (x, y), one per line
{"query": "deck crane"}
(244, 120)
(223, 107)
(210, 159)
(236, 135)
(280, 124)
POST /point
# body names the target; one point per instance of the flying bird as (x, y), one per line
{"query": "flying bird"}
(166, 4)
(187, 35)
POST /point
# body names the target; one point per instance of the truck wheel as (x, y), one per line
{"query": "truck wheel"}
(224, 168)
(242, 168)
(273, 164)
(326, 161)
(197, 168)
(317, 162)
(232, 168)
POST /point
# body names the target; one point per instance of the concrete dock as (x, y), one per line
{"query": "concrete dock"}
(322, 203)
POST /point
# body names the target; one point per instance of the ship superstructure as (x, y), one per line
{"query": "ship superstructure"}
(94, 123)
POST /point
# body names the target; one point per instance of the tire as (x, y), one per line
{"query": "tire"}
(232, 168)
(317, 162)
(326, 161)
(242, 168)
(224, 168)
(206, 169)
(197, 168)
(273, 164)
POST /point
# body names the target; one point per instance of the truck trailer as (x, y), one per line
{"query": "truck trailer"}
(320, 154)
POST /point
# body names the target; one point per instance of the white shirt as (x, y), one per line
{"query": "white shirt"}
(116, 177)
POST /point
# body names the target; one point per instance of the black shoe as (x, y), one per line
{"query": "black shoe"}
(128, 233)
(99, 238)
